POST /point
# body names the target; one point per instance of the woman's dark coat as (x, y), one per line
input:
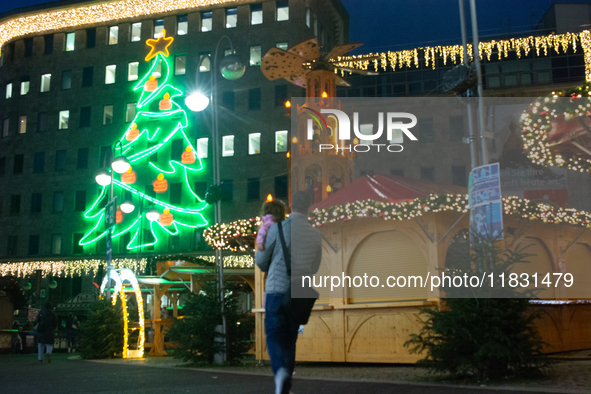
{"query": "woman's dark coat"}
(47, 320)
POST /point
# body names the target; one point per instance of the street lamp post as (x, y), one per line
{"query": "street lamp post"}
(231, 68)
(119, 165)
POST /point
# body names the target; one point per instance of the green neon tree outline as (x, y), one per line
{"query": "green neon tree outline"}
(157, 129)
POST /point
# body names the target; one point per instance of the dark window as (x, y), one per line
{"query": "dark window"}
(58, 202)
(147, 238)
(36, 201)
(154, 156)
(76, 247)
(253, 191)
(2, 166)
(149, 191)
(66, 79)
(124, 241)
(428, 173)
(15, 204)
(11, 246)
(254, 98)
(280, 95)
(458, 175)
(33, 244)
(456, 128)
(397, 171)
(174, 243)
(80, 200)
(227, 190)
(42, 122)
(19, 161)
(281, 186)
(87, 74)
(91, 38)
(85, 117)
(104, 156)
(39, 162)
(1, 202)
(49, 44)
(60, 160)
(426, 130)
(176, 149)
(175, 193)
(28, 47)
(228, 99)
(200, 189)
(82, 158)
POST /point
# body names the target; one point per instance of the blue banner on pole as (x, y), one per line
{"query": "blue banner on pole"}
(486, 206)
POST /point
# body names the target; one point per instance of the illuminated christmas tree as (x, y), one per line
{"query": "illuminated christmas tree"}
(161, 156)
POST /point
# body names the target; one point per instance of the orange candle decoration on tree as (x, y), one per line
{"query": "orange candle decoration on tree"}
(128, 177)
(118, 216)
(165, 104)
(166, 218)
(188, 156)
(160, 184)
(132, 133)
(151, 84)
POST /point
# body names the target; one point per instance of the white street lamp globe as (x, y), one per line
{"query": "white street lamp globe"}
(103, 178)
(197, 101)
(127, 206)
(152, 215)
(120, 165)
(232, 67)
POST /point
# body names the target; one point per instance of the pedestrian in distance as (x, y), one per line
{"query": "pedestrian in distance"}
(292, 245)
(46, 323)
(72, 326)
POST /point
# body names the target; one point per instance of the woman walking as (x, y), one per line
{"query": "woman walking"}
(46, 325)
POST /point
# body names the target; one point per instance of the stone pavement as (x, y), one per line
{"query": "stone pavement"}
(23, 374)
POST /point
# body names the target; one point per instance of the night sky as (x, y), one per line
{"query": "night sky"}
(406, 24)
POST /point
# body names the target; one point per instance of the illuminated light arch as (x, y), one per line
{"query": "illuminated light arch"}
(120, 277)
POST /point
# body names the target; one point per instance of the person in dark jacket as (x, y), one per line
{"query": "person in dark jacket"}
(46, 324)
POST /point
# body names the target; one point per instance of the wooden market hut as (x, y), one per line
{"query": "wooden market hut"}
(407, 227)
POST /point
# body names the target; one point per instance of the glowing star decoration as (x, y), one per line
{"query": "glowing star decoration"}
(153, 131)
(188, 156)
(159, 45)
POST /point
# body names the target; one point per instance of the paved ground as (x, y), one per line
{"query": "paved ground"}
(23, 374)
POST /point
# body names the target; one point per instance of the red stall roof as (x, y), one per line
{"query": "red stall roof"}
(387, 188)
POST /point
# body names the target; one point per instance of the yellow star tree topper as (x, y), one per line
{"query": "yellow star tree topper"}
(159, 45)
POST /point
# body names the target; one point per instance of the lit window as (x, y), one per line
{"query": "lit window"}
(281, 141)
(256, 14)
(9, 90)
(5, 128)
(108, 114)
(254, 143)
(202, 145)
(366, 129)
(282, 11)
(110, 74)
(255, 55)
(179, 65)
(308, 17)
(63, 120)
(206, 21)
(157, 73)
(133, 71)
(45, 82)
(397, 137)
(25, 84)
(158, 27)
(228, 145)
(129, 112)
(136, 32)
(205, 63)
(182, 25)
(56, 244)
(231, 18)
(282, 45)
(70, 41)
(22, 124)
(113, 35)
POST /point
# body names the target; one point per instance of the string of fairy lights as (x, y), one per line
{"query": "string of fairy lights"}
(221, 236)
(68, 268)
(559, 110)
(409, 58)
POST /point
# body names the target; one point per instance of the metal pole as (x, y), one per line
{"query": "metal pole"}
(472, 139)
(108, 252)
(481, 129)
